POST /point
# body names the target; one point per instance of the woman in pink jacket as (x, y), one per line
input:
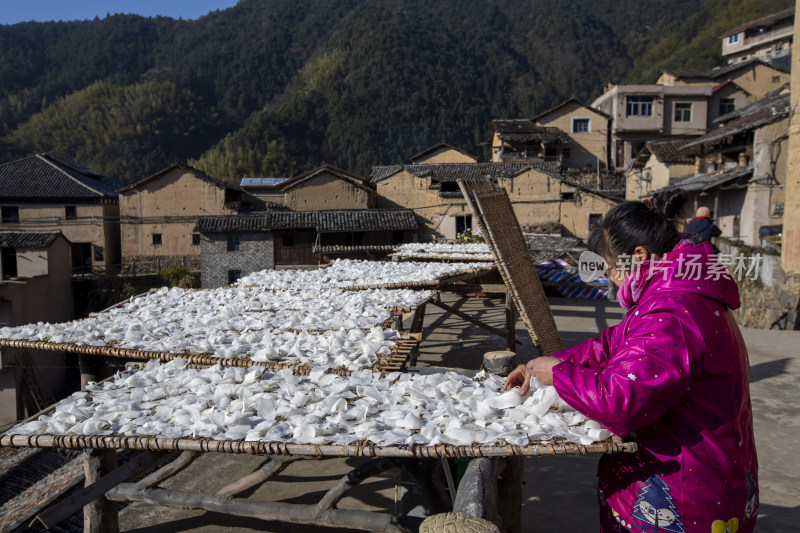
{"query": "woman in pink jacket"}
(673, 376)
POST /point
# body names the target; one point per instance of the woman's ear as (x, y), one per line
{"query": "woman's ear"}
(641, 254)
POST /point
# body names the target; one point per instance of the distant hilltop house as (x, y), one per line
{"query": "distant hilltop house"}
(235, 246)
(572, 134)
(48, 193)
(768, 37)
(36, 286)
(757, 77)
(539, 195)
(325, 187)
(158, 214)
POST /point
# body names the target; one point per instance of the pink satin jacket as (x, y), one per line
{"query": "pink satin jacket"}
(673, 376)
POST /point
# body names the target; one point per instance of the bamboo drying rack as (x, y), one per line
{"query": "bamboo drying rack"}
(401, 353)
(361, 449)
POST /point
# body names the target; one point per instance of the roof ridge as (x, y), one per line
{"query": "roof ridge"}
(46, 158)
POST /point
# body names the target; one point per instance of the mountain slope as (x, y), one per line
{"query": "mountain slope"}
(273, 88)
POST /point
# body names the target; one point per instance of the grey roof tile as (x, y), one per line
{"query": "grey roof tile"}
(43, 177)
(28, 239)
(323, 221)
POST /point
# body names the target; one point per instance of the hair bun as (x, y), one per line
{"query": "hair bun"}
(669, 202)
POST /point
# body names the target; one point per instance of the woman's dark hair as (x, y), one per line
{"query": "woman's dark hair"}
(631, 224)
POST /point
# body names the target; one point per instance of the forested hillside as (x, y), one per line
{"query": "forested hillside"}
(272, 87)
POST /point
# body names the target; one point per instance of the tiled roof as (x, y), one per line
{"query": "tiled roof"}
(720, 72)
(199, 173)
(732, 179)
(322, 221)
(28, 239)
(261, 182)
(439, 147)
(43, 177)
(667, 151)
(231, 224)
(525, 129)
(349, 177)
(566, 102)
(761, 113)
(762, 22)
(450, 172)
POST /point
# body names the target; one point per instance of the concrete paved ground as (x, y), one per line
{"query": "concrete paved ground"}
(560, 491)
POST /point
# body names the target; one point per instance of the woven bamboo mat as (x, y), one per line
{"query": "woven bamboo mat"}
(502, 232)
(356, 449)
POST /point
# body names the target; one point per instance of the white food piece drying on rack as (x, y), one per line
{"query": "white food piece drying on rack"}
(171, 400)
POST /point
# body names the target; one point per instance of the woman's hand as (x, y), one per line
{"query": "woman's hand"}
(541, 368)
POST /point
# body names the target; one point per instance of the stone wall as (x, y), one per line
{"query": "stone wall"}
(771, 299)
(255, 253)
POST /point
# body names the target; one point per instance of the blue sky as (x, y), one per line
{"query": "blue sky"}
(13, 11)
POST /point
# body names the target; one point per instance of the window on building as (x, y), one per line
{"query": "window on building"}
(636, 148)
(9, 263)
(733, 38)
(568, 195)
(639, 106)
(81, 257)
(581, 125)
(156, 239)
(726, 105)
(776, 79)
(10, 214)
(777, 209)
(195, 239)
(70, 212)
(683, 112)
(233, 276)
(98, 253)
(463, 223)
(234, 243)
(566, 153)
(594, 221)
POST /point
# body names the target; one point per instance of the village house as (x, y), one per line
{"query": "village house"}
(768, 37)
(522, 140)
(158, 214)
(588, 131)
(325, 187)
(643, 113)
(47, 193)
(36, 285)
(757, 77)
(743, 170)
(539, 195)
(235, 246)
(657, 165)
(442, 153)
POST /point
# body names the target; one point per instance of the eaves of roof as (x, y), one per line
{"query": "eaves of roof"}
(199, 173)
(570, 101)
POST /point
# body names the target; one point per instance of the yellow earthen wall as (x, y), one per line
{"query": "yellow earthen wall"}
(169, 205)
(444, 155)
(585, 148)
(326, 191)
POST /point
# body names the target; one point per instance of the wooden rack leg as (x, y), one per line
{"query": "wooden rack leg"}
(511, 324)
(101, 515)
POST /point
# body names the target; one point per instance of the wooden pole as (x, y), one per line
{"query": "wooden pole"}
(477, 492)
(275, 511)
(101, 515)
(470, 319)
(509, 482)
(511, 324)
